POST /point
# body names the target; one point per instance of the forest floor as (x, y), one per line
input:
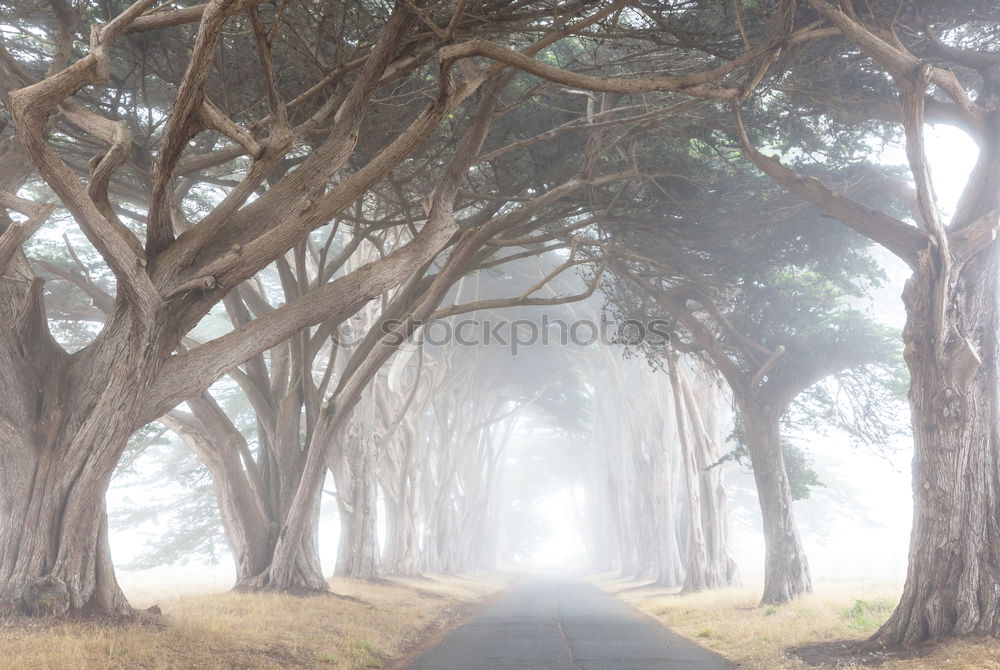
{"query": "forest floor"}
(729, 622)
(380, 622)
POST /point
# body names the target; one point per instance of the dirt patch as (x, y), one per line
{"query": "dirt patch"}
(302, 592)
(841, 653)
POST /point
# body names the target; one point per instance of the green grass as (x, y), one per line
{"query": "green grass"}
(867, 615)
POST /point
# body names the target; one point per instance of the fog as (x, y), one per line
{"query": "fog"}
(324, 325)
(854, 524)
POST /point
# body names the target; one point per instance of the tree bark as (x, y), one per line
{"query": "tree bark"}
(703, 408)
(36, 542)
(786, 571)
(952, 584)
(249, 498)
(64, 424)
(400, 488)
(696, 576)
(401, 559)
(357, 500)
(60, 431)
(54, 470)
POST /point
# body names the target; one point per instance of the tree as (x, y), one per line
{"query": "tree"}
(69, 417)
(774, 31)
(950, 299)
(709, 565)
(757, 285)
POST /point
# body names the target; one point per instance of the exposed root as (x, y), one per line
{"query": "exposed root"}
(297, 590)
(16, 619)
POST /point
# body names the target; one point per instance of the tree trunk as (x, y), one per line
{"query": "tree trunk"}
(291, 565)
(703, 409)
(400, 486)
(400, 491)
(628, 561)
(64, 424)
(248, 527)
(401, 545)
(952, 584)
(353, 464)
(667, 564)
(251, 499)
(786, 571)
(253, 538)
(601, 540)
(294, 569)
(54, 522)
(696, 576)
(358, 551)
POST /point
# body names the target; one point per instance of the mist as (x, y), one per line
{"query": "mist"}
(468, 334)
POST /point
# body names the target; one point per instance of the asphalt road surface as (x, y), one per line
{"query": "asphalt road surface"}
(564, 624)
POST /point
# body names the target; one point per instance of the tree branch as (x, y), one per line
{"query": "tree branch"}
(903, 240)
(522, 300)
(30, 107)
(18, 233)
(338, 299)
(696, 85)
(900, 63)
(189, 107)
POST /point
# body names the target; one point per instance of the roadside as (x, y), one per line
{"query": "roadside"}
(376, 623)
(729, 622)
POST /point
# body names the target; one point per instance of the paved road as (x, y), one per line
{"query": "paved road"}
(562, 624)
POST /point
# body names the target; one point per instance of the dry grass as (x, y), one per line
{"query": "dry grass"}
(230, 631)
(756, 638)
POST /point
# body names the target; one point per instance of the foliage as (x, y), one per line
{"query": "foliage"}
(866, 615)
(178, 502)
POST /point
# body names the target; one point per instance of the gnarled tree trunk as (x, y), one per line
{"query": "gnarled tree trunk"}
(703, 408)
(696, 577)
(400, 488)
(251, 496)
(952, 584)
(357, 500)
(353, 461)
(786, 571)
(62, 428)
(58, 529)
(64, 425)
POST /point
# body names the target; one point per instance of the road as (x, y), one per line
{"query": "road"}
(563, 624)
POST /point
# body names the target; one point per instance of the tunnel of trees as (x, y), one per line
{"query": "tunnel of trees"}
(228, 230)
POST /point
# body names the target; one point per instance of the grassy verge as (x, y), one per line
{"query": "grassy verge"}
(756, 638)
(382, 622)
